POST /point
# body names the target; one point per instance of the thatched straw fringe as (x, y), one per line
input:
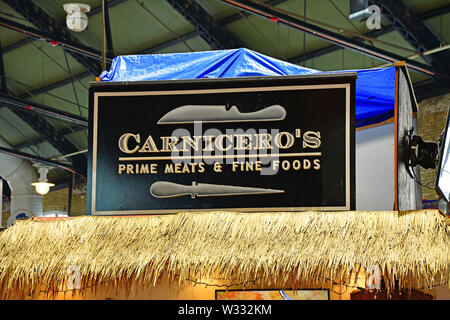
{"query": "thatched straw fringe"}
(276, 248)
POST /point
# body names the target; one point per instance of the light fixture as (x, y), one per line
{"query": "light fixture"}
(422, 153)
(76, 19)
(359, 9)
(42, 186)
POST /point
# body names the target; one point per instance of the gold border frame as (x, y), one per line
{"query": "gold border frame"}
(212, 91)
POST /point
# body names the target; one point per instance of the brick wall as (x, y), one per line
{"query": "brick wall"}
(431, 120)
(58, 201)
(5, 217)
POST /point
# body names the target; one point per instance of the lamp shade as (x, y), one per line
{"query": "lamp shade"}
(42, 187)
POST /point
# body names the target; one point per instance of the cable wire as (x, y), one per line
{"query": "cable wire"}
(338, 29)
(30, 94)
(262, 35)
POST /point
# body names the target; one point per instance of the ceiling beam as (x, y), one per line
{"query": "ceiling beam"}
(153, 49)
(45, 36)
(235, 17)
(210, 29)
(238, 16)
(109, 39)
(83, 75)
(58, 84)
(427, 89)
(372, 34)
(49, 25)
(187, 36)
(415, 31)
(434, 12)
(56, 139)
(172, 42)
(34, 158)
(98, 9)
(333, 48)
(94, 11)
(42, 110)
(38, 123)
(3, 86)
(38, 140)
(16, 44)
(269, 12)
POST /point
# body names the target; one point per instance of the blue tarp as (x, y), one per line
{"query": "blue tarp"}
(374, 87)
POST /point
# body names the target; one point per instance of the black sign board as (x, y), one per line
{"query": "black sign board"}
(244, 144)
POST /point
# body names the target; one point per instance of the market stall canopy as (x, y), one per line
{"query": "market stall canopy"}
(375, 88)
(282, 249)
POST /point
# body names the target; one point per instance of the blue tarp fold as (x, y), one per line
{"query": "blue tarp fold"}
(374, 87)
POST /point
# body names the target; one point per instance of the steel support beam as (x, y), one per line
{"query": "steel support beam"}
(298, 59)
(238, 16)
(56, 139)
(98, 9)
(83, 75)
(48, 25)
(108, 33)
(427, 89)
(156, 48)
(435, 12)
(269, 12)
(47, 131)
(373, 34)
(185, 37)
(172, 42)
(15, 45)
(39, 109)
(334, 48)
(41, 139)
(30, 157)
(210, 29)
(58, 84)
(3, 86)
(414, 30)
(45, 36)
(94, 11)
(399, 26)
(37, 123)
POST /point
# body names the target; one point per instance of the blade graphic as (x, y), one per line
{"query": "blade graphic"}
(205, 113)
(165, 189)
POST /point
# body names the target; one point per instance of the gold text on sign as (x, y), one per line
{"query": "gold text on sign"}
(130, 143)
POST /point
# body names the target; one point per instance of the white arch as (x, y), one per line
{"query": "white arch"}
(19, 173)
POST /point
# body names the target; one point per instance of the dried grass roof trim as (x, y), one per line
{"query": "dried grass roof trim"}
(276, 248)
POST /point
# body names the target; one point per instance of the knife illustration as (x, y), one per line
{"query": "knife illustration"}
(219, 113)
(165, 189)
